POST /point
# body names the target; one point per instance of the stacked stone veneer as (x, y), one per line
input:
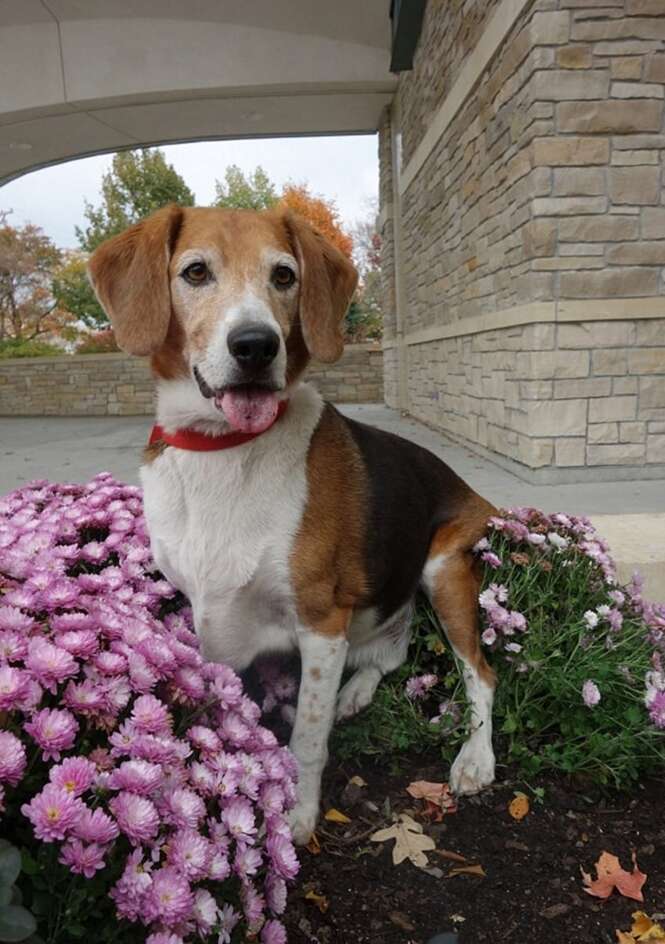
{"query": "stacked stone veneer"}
(526, 305)
(118, 385)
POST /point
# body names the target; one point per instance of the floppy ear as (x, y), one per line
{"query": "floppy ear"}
(327, 283)
(129, 274)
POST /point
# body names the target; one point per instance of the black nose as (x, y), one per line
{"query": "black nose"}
(253, 347)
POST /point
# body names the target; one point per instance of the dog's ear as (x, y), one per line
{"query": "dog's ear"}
(327, 283)
(129, 274)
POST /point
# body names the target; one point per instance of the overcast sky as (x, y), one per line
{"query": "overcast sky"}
(342, 168)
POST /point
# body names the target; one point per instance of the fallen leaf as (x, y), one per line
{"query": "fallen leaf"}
(410, 843)
(519, 806)
(399, 919)
(320, 901)
(611, 876)
(644, 929)
(334, 816)
(358, 781)
(453, 856)
(437, 797)
(467, 870)
(314, 846)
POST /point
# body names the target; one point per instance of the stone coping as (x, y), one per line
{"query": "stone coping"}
(79, 359)
(564, 310)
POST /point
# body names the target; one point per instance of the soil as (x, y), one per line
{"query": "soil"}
(532, 889)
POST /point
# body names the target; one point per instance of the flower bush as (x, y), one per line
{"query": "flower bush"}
(147, 800)
(581, 661)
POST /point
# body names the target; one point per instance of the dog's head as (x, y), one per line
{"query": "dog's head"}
(234, 301)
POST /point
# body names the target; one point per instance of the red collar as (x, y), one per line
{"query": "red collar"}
(195, 441)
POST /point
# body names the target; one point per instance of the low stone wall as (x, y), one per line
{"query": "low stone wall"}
(120, 385)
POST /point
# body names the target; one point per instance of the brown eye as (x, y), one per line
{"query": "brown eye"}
(283, 276)
(196, 274)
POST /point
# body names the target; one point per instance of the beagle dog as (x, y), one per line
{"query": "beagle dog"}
(287, 525)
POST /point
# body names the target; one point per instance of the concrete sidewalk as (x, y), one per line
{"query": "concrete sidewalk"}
(630, 514)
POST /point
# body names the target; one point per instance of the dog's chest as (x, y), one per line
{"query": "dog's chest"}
(222, 527)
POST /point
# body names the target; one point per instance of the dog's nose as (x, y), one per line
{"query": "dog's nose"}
(254, 347)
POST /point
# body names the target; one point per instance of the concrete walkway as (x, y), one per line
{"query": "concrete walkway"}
(630, 514)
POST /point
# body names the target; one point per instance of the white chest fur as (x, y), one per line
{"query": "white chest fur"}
(222, 526)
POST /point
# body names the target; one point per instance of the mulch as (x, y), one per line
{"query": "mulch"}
(532, 889)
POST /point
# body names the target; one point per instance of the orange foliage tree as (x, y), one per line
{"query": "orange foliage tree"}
(322, 214)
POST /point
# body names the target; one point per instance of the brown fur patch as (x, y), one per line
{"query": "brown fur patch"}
(457, 584)
(327, 562)
(153, 451)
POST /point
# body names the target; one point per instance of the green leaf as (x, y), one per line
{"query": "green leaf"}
(16, 923)
(10, 863)
(29, 865)
(5, 895)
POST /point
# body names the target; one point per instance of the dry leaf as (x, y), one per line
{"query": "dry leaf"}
(643, 929)
(410, 843)
(314, 846)
(519, 806)
(611, 876)
(437, 797)
(467, 870)
(399, 919)
(453, 856)
(334, 816)
(320, 901)
(358, 781)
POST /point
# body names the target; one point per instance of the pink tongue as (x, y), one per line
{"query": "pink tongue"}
(249, 410)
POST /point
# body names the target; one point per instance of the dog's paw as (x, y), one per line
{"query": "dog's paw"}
(473, 769)
(357, 694)
(302, 821)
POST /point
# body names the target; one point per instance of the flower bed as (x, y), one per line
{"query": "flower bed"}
(136, 779)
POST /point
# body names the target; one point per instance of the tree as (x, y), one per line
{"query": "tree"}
(28, 261)
(322, 214)
(239, 192)
(364, 319)
(138, 183)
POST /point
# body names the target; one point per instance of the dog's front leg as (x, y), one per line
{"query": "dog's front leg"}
(323, 656)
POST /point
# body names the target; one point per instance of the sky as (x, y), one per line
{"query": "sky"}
(343, 168)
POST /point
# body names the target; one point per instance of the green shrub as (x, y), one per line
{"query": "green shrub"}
(99, 342)
(579, 660)
(17, 348)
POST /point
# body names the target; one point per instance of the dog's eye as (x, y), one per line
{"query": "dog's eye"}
(197, 273)
(283, 276)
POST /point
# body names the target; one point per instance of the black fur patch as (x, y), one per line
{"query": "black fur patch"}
(412, 493)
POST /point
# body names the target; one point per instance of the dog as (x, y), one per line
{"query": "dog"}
(286, 524)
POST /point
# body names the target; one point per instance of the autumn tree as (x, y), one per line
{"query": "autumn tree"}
(28, 261)
(365, 319)
(138, 183)
(238, 191)
(322, 214)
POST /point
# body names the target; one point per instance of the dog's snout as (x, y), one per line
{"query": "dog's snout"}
(254, 347)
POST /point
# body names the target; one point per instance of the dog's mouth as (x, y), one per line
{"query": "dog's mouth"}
(247, 407)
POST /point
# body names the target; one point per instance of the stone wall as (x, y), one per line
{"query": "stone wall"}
(119, 385)
(530, 224)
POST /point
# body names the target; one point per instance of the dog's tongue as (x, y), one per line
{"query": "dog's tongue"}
(249, 409)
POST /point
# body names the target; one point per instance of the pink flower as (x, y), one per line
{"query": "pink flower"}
(518, 621)
(418, 685)
(13, 685)
(590, 694)
(657, 709)
(54, 730)
(184, 808)
(247, 861)
(151, 716)
(49, 664)
(13, 760)
(53, 812)
(82, 859)
(82, 643)
(84, 697)
(190, 853)
(95, 826)
(273, 932)
(489, 636)
(229, 917)
(283, 856)
(110, 663)
(275, 889)
(204, 738)
(164, 937)
(205, 911)
(75, 775)
(13, 619)
(130, 889)
(169, 899)
(239, 819)
(136, 816)
(13, 645)
(492, 559)
(137, 776)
